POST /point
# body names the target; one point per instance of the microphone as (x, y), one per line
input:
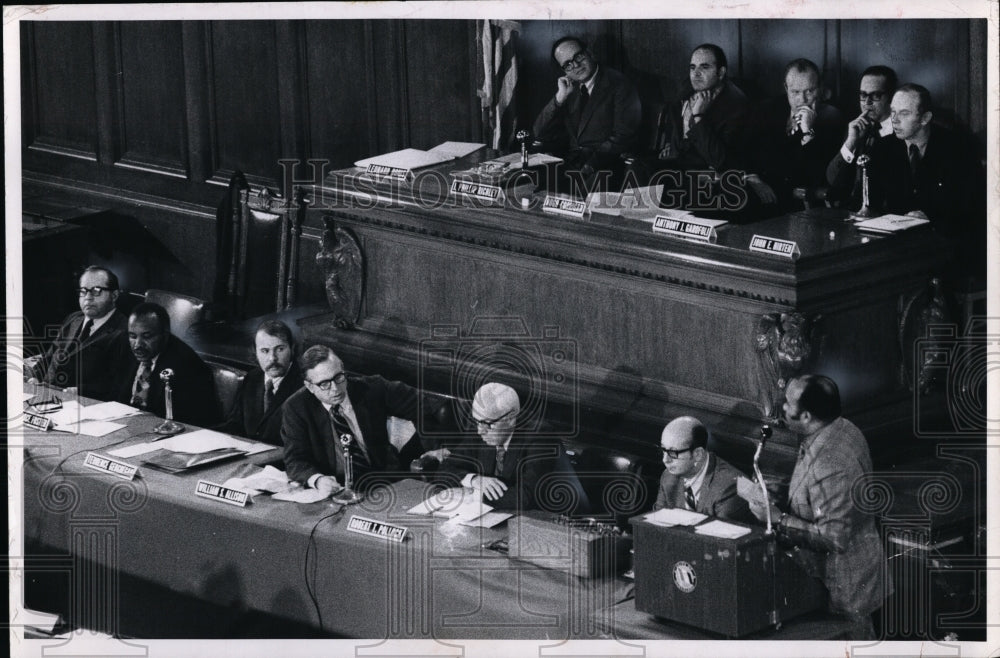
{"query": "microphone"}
(347, 496)
(522, 136)
(168, 427)
(764, 434)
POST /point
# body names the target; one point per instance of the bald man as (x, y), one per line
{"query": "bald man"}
(696, 479)
(501, 462)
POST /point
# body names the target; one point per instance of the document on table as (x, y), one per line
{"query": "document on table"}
(675, 516)
(534, 159)
(487, 520)
(195, 442)
(301, 495)
(89, 427)
(408, 159)
(636, 203)
(456, 149)
(269, 479)
(749, 490)
(109, 411)
(455, 503)
(890, 223)
(722, 530)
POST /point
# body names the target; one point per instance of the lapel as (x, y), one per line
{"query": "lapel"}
(704, 499)
(600, 90)
(289, 385)
(324, 435)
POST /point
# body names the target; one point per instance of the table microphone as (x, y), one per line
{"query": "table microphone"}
(168, 426)
(347, 496)
(523, 136)
(765, 434)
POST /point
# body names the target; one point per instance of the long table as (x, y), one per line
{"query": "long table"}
(149, 558)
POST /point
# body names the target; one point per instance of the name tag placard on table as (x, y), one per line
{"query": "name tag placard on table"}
(114, 467)
(491, 194)
(688, 228)
(774, 246)
(378, 529)
(222, 494)
(38, 421)
(564, 206)
(383, 172)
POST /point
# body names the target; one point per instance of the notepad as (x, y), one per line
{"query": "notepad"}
(675, 516)
(408, 159)
(890, 223)
(722, 530)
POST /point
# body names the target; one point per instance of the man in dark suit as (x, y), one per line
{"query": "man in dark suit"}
(331, 406)
(696, 479)
(504, 465)
(838, 542)
(927, 171)
(796, 136)
(594, 116)
(256, 412)
(156, 350)
(90, 348)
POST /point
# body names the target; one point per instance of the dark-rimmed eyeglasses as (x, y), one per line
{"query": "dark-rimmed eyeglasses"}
(874, 97)
(326, 384)
(675, 454)
(96, 291)
(573, 62)
(489, 424)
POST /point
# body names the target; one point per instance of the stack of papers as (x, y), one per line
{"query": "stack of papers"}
(90, 421)
(411, 159)
(722, 529)
(675, 516)
(197, 442)
(890, 223)
(267, 480)
(461, 506)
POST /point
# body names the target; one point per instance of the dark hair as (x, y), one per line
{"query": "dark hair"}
(883, 71)
(720, 55)
(802, 65)
(699, 436)
(820, 397)
(275, 328)
(924, 102)
(314, 356)
(111, 276)
(152, 308)
(580, 42)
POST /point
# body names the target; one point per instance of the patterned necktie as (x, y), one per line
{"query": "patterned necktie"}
(501, 453)
(914, 159)
(359, 456)
(689, 499)
(268, 394)
(85, 332)
(140, 388)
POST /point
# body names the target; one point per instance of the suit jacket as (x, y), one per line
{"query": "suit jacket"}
(525, 463)
(717, 496)
(91, 365)
(193, 387)
(782, 160)
(608, 124)
(307, 431)
(838, 542)
(247, 417)
(717, 141)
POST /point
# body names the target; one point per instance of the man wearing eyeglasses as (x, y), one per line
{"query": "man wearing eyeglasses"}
(331, 406)
(595, 114)
(154, 349)
(501, 463)
(878, 83)
(90, 347)
(696, 479)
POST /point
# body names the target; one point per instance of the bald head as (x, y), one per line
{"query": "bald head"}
(495, 408)
(683, 441)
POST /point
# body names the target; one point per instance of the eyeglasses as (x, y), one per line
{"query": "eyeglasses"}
(874, 97)
(576, 60)
(675, 454)
(489, 424)
(96, 291)
(325, 385)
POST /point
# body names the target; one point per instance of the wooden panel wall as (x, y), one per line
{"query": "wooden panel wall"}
(160, 113)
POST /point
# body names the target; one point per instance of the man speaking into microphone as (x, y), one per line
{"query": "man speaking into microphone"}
(155, 349)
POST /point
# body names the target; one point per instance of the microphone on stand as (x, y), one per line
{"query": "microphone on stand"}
(347, 496)
(523, 136)
(168, 427)
(765, 434)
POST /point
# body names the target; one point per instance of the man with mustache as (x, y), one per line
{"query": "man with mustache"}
(155, 349)
(256, 413)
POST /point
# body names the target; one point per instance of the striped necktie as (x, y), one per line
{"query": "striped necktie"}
(359, 455)
(689, 499)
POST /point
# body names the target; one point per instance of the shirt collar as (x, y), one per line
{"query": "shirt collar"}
(345, 406)
(885, 128)
(589, 84)
(922, 145)
(98, 322)
(276, 381)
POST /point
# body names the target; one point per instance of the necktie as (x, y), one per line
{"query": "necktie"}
(584, 98)
(501, 453)
(140, 388)
(689, 498)
(85, 332)
(268, 394)
(340, 425)
(914, 159)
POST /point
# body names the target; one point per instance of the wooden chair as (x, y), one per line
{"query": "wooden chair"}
(227, 383)
(184, 311)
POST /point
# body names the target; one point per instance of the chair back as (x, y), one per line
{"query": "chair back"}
(184, 311)
(227, 383)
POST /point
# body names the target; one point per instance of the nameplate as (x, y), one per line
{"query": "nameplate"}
(373, 528)
(562, 206)
(766, 245)
(38, 421)
(391, 173)
(480, 191)
(690, 228)
(107, 465)
(213, 491)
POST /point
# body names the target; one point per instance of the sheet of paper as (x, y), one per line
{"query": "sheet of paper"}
(109, 411)
(487, 520)
(301, 495)
(200, 441)
(890, 223)
(675, 516)
(749, 490)
(134, 450)
(451, 503)
(70, 414)
(635, 203)
(268, 479)
(722, 529)
(456, 149)
(43, 621)
(90, 427)
(534, 159)
(406, 159)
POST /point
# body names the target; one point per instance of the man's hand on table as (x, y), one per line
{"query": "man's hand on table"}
(492, 488)
(328, 484)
